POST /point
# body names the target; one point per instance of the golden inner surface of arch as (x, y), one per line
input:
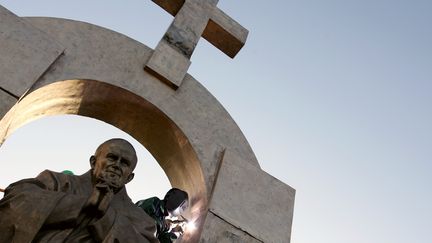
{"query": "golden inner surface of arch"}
(126, 111)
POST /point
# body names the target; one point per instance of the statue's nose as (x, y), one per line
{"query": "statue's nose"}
(117, 164)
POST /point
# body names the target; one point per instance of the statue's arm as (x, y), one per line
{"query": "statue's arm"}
(24, 209)
(66, 211)
(68, 206)
(129, 225)
(103, 227)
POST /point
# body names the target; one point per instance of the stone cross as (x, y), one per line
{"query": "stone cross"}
(193, 19)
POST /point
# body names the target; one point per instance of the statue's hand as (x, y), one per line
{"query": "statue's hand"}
(100, 198)
(103, 188)
(93, 200)
(105, 200)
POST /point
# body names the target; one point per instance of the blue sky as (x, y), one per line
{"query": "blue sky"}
(333, 96)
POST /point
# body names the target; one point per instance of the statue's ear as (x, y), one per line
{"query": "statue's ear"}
(92, 161)
(131, 176)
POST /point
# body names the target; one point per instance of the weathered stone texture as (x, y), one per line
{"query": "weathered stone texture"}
(222, 31)
(217, 230)
(25, 53)
(168, 64)
(193, 19)
(266, 203)
(225, 33)
(6, 102)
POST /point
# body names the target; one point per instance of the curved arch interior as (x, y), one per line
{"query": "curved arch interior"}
(67, 145)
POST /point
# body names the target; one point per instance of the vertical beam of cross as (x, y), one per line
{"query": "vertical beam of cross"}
(193, 19)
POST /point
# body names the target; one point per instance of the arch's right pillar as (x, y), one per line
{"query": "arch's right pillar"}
(248, 205)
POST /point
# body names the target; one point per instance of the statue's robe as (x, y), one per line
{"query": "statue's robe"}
(49, 208)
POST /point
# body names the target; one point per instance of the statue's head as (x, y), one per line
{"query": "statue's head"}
(114, 162)
(176, 201)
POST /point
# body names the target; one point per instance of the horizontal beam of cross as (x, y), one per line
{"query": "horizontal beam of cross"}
(193, 19)
(221, 31)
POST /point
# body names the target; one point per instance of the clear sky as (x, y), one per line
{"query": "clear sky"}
(333, 96)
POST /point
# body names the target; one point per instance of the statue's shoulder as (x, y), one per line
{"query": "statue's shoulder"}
(51, 175)
(47, 173)
(56, 181)
(45, 180)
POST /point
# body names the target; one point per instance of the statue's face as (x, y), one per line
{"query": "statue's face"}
(114, 163)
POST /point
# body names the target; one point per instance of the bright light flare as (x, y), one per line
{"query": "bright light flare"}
(191, 226)
(186, 225)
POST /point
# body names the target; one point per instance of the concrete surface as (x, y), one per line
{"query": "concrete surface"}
(26, 53)
(263, 200)
(193, 19)
(6, 101)
(218, 230)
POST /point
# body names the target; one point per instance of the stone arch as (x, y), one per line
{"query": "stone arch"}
(71, 67)
(124, 110)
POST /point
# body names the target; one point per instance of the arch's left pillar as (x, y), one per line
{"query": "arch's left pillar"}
(6, 102)
(26, 53)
